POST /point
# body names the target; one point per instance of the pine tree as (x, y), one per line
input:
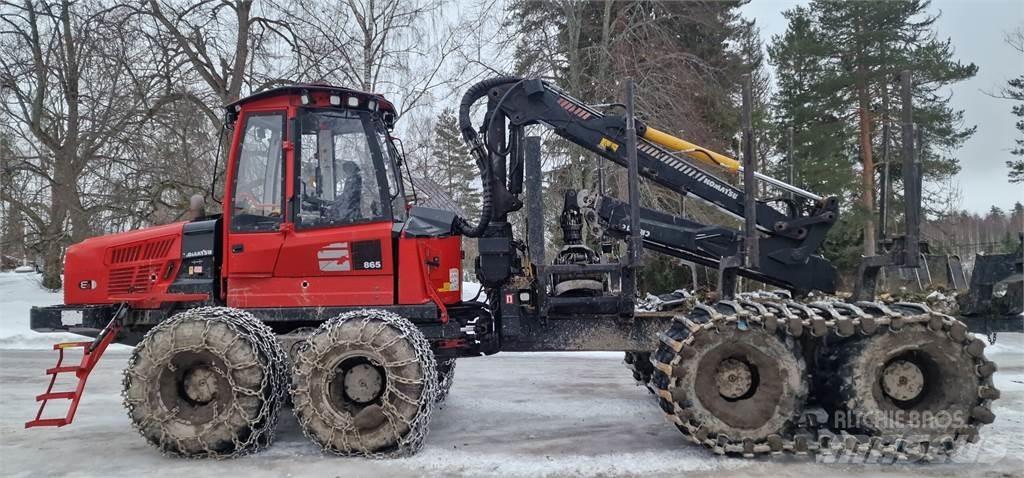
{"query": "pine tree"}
(1015, 91)
(838, 66)
(822, 140)
(452, 166)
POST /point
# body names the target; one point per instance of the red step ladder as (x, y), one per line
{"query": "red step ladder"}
(91, 353)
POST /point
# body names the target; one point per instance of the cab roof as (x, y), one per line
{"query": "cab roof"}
(300, 88)
(314, 90)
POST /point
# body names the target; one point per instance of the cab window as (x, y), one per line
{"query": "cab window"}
(393, 174)
(257, 197)
(338, 175)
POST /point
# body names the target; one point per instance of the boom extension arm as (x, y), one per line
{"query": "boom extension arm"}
(663, 159)
(661, 156)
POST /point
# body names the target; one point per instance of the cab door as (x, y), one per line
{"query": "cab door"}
(255, 213)
(339, 250)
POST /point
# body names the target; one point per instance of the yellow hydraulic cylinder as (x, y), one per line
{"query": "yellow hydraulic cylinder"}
(692, 150)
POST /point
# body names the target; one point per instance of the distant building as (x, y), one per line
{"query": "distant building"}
(425, 192)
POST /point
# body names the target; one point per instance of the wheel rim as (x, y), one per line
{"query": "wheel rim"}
(357, 386)
(903, 380)
(192, 385)
(742, 383)
(735, 379)
(200, 385)
(362, 383)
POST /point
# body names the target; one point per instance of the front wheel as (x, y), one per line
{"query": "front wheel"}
(207, 382)
(365, 384)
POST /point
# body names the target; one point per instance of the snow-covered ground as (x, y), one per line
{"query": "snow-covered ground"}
(18, 293)
(522, 415)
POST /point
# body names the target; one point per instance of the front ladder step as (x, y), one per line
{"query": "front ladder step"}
(55, 396)
(91, 353)
(47, 422)
(69, 368)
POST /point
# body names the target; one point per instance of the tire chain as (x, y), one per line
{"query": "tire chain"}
(274, 371)
(638, 364)
(445, 377)
(820, 320)
(413, 440)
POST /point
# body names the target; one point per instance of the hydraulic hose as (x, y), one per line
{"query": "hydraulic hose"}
(479, 150)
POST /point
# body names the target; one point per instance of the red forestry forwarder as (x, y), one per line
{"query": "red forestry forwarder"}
(319, 284)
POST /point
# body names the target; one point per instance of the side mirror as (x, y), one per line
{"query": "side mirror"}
(196, 206)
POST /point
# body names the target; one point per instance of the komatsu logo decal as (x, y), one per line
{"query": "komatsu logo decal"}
(335, 257)
(692, 172)
(199, 253)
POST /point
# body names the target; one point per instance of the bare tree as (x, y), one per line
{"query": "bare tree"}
(413, 51)
(66, 68)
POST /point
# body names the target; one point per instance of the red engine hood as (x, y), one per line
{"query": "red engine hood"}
(111, 268)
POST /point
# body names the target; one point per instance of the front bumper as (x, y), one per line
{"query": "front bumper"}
(86, 320)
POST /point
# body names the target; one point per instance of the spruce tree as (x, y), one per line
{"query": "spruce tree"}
(838, 66)
(1015, 91)
(453, 167)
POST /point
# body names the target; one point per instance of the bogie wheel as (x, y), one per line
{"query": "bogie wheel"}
(927, 382)
(445, 378)
(639, 364)
(207, 382)
(729, 382)
(365, 384)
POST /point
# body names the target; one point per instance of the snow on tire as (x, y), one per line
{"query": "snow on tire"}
(365, 384)
(208, 382)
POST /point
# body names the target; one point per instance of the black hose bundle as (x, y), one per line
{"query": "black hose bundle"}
(479, 149)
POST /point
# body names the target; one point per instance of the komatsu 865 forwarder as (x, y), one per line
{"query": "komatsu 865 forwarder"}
(319, 285)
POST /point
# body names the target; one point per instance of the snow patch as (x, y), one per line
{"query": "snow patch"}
(19, 292)
(470, 290)
(673, 462)
(1007, 344)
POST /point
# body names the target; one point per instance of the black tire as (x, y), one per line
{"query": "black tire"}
(917, 385)
(207, 382)
(697, 351)
(639, 364)
(365, 384)
(445, 378)
(292, 341)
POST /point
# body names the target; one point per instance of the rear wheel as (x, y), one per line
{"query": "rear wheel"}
(919, 384)
(207, 382)
(365, 384)
(730, 384)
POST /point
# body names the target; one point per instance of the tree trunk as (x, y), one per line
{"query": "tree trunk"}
(868, 172)
(81, 224)
(54, 233)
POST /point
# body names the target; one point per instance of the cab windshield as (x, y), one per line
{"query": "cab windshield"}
(341, 169)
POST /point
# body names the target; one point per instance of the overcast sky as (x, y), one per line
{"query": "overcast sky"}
(977, 29)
